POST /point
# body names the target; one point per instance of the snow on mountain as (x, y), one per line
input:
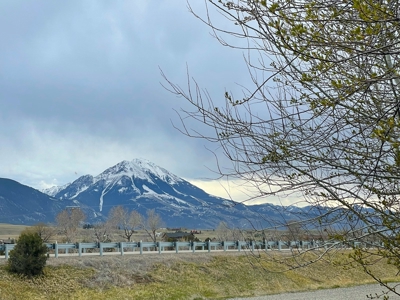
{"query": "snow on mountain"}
(141, 185)
(52, 191)
(72, 190)
(139, 169)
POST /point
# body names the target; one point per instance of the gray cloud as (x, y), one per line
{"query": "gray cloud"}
(80, 89)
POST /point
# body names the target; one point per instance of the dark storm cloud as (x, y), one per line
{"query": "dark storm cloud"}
(80, 90)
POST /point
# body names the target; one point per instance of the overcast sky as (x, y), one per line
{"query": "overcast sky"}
(80, 87)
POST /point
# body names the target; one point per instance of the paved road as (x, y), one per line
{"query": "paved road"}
(352, 293)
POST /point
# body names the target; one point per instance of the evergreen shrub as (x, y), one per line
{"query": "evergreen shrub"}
(29, 255)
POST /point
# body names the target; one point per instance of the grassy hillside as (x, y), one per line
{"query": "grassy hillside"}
(183, 276)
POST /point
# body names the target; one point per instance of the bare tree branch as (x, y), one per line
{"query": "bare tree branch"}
(322, 117)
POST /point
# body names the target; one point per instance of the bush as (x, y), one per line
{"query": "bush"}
(29, 255)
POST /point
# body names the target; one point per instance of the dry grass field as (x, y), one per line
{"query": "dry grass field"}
(180, 276)
(13, 231)
(10, 231)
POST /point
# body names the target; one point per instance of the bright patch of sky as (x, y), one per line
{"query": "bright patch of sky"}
(240, 191)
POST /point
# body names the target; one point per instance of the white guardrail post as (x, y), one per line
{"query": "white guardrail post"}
(56, 250)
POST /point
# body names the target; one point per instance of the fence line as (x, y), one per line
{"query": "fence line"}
(142, 247)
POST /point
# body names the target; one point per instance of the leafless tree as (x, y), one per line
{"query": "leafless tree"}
(294, 230)
(322, 117)
(68, 222)
(127, 221)
(222, 231)
(226, 233)
(152, 223)
(103, 232)
(45, 231)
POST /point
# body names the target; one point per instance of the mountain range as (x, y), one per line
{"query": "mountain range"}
(138, 185)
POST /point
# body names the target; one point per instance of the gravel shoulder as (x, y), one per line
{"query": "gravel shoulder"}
(354, 293)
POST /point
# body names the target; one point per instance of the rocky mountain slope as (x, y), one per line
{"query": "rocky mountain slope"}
(142, 185)
(138, 185)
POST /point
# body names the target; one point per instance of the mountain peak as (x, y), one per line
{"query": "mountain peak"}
(138, 185)
(141, 169)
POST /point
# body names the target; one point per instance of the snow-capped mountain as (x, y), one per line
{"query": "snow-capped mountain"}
(142, 185)
(137, 185)
(54, 189)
